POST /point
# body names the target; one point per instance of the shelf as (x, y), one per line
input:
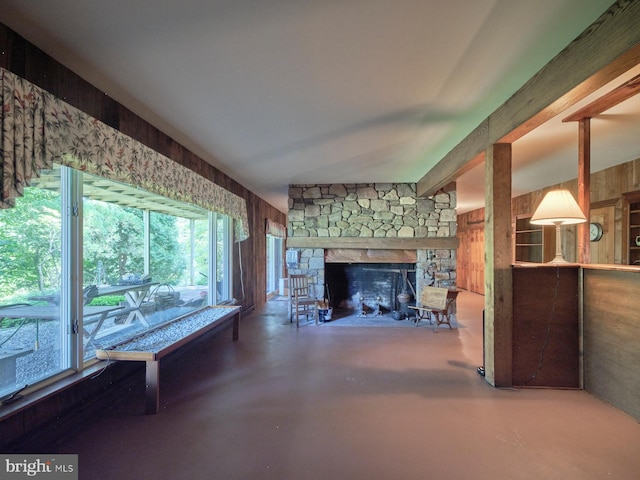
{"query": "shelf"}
(632, 228)
(532, 242)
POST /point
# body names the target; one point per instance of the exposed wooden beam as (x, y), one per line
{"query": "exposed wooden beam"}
(447, 243)
(358, 255)
(605, 50)
(607, 101)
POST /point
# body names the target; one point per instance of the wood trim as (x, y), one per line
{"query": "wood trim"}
(606, 49)
(612, 268)
(611, 202)
(448, 243)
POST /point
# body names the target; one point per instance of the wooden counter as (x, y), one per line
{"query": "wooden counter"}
(546, 326)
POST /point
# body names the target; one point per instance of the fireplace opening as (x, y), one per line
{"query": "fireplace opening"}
(371, 288)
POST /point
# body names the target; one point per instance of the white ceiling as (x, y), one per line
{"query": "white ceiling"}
(276, 92)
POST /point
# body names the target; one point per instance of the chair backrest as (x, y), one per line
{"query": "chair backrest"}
(298, 285)
(434, 297)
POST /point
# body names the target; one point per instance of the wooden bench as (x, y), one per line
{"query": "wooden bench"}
(152, 345)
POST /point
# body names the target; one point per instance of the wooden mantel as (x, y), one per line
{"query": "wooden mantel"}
(430, 243)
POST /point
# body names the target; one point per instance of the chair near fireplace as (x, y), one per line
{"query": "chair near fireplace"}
(437, 304)
(300, 301)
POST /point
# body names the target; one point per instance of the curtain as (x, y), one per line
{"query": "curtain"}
(275, 229)
(22, 141)
(39, 129)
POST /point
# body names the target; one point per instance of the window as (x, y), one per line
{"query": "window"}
(274, 263)
(31, 273)
(222, 254)
(121, 261)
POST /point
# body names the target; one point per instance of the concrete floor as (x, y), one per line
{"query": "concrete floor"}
(354, 403)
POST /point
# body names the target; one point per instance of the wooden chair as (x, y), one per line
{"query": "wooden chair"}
(300, 301)
(436, 304)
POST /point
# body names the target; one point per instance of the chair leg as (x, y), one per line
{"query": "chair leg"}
(439, 321)
(422, 315)
(442, 319)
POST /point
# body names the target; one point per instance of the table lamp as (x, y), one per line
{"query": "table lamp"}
(558, 207)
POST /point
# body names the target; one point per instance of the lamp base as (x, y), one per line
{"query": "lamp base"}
(558, 259)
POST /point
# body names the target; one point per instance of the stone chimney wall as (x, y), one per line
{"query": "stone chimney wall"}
(376, 210)
(373, 210)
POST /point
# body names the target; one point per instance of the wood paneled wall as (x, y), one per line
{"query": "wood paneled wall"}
(607, 187)
(546, 326)
(611, 336)
(24, 59)
(470, 266)
(611, 325)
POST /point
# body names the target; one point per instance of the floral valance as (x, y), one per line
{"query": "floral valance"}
(39, 129)
(276, 229)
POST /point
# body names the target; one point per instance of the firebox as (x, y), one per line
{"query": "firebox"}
(372, 287)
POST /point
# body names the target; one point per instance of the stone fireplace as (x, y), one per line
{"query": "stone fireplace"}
(341, 231)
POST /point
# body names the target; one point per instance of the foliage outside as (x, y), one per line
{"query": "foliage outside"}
(30, 246)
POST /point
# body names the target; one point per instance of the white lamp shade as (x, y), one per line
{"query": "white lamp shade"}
(558, 207)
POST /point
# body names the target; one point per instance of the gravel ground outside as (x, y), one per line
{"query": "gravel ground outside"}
(46, 359)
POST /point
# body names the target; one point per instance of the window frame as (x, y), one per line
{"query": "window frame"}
(71, 344)
(274, 263)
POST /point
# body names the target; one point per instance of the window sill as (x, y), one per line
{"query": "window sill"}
(37, 393)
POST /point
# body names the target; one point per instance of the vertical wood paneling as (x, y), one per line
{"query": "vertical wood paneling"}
(546, 326)
(603, 251)
(470, 265)
(477, 263)
(463, 258)
(611, 337)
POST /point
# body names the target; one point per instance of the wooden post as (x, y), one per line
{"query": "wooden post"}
(584, 188)
(498, 258)
(236, 326)
(152, 393)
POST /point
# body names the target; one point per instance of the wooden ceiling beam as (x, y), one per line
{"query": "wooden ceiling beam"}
(607, 101)
(605, 50)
